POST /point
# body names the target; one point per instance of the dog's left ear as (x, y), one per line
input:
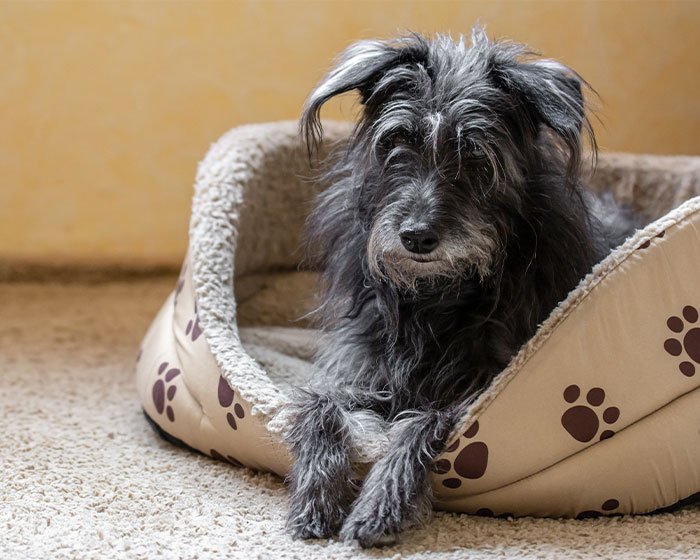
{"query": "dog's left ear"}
(551, 90)
(553, 95)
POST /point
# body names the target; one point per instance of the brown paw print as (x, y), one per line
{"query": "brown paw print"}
(193, 329)
(690, 342)
(226, 396)
(161, 391)
(226, 459)
(469, 463)
(647, 243)
(608, 507)
(582, 421)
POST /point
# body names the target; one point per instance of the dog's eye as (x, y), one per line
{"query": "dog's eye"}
(399, 140)
(474, 151)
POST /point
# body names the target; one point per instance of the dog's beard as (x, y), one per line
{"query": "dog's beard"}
(457, 257)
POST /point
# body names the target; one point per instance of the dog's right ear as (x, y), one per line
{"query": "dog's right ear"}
(358, 67)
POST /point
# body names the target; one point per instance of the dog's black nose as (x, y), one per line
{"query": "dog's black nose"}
(419, 238)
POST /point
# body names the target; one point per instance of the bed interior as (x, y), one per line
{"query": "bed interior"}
(274, 295)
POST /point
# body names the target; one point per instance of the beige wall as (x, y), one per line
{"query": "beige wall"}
(107, 106)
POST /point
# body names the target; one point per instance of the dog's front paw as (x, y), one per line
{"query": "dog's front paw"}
(375, 520)
(314, 517)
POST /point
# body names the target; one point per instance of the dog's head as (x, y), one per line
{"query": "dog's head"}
(448, 136)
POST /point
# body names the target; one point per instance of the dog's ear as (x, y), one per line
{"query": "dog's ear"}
(552, 94)
(551, 90)
(358, 67)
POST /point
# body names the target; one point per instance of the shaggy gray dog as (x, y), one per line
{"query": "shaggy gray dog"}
(454, 223)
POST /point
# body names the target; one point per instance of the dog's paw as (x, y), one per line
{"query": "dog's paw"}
(368, 532)
(314, 528)
(373, 521)
(314, 518)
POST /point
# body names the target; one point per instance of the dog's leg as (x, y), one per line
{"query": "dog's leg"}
(321, 486)
(396, 492)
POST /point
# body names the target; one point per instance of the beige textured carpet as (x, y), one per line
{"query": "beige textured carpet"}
(83, 476)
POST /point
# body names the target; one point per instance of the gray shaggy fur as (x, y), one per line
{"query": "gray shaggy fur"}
(455, 221)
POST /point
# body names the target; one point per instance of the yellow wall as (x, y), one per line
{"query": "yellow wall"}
(106, 107)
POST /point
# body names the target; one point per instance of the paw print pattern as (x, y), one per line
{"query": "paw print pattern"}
(647, 243)
(608, 508)
(583, 422)
(226, 396)
(162, 392)
(470, 462)
(690, 343)
(193, 330)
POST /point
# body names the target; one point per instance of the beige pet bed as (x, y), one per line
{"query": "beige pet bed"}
(598, 413)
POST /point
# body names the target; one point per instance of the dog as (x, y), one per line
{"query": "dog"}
(455, 221)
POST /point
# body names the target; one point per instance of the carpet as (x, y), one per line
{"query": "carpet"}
(82, 475)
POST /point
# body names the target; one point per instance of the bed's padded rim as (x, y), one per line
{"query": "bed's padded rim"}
(228, 175)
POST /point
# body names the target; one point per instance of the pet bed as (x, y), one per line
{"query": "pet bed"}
(597, 414)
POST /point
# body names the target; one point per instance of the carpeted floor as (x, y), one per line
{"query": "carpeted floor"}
(83, 476)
